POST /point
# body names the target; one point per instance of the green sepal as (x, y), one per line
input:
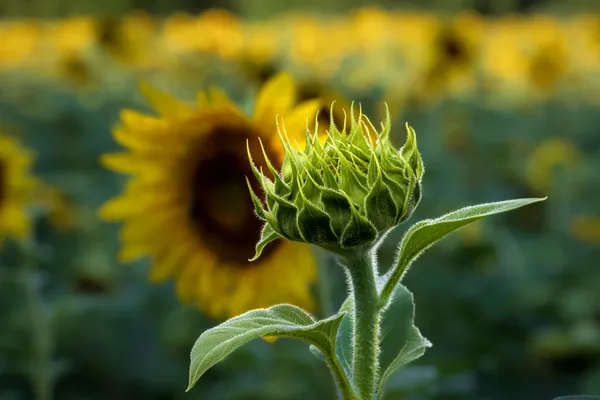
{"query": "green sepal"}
(314, 224)
(286, 214)
(350, 182)
(267, 236)
(261, 212)
(359, 230)
(358, 141)
(412, 199)
(337, 207)
(408, 149)
(329, 179)
(258, 206)
(280, 185)
(379, 203)
(396, 189)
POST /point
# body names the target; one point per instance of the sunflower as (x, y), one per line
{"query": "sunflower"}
(19, 42)
(17, 188)
(454, 50)
(186, 204)
(549, 58)
(258, 58)
(129, 41)
(314, 90)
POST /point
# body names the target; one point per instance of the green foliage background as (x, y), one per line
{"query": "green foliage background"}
(512, 310)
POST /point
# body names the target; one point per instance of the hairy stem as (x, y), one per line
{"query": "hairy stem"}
(365, 358)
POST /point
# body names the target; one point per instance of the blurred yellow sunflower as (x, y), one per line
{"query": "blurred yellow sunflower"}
(19, 41)
(454, 51)
(314, 90)
(187, 206)
(549, 57)
(17, 188)
(131, 40)
(551, 154)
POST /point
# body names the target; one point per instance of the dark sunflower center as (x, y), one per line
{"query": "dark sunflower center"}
(260, 72)
(221, 208)
(3, 183)
(453, 49)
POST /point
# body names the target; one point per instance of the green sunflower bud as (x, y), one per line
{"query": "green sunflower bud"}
(347, 192)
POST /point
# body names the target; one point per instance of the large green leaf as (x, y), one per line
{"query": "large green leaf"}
(414, 347)
(281, 320)
(410, 380)
(424, 234)
(396, 330)
(401, 341)
(343, 344)
(396, 323)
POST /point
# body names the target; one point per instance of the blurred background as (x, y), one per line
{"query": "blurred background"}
(503, 95)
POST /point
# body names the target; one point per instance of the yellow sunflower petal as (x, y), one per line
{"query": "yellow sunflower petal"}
(245, 291)
(146, 143)
(120, 162)
(167, 262)
(166, 105)
(130, 253)
(19, 188)
(142, 229)
(276, 97)
(131, 164)
(296, 121)
(201, 100)
(156, 203)
(187, 283)
(219, 99)
(15, 221)
(129, 205)
(135, 121)
(222, 281)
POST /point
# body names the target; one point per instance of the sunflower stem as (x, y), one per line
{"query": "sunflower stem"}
(365, 357)
(40, 327)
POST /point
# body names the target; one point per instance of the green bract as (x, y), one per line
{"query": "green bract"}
(347, 192)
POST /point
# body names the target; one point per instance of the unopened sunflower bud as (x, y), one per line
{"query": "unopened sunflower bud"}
(347, 192)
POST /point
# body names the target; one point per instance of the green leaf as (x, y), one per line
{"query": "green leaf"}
(343, 344)
(396, 323)
(410, 380)
(414, 348)
(281, 320)
(401, 341)
(425, 233)
(399, 336)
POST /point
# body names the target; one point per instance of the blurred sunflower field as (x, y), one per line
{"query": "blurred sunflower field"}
(126, 225)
